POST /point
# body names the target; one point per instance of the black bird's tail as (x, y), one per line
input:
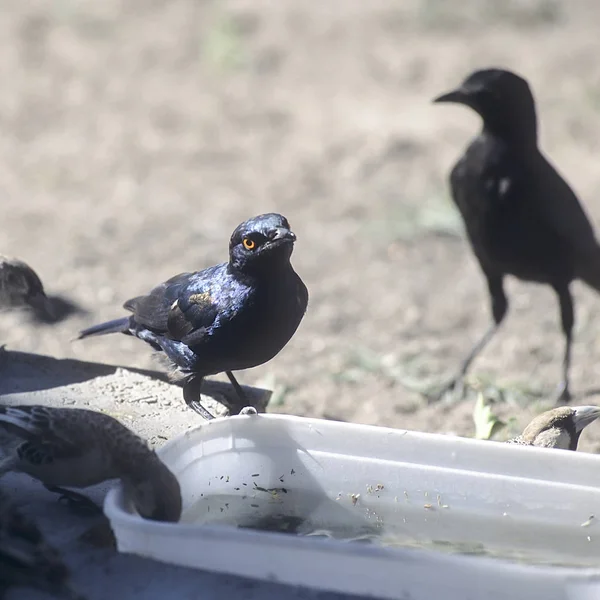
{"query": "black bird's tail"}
(115, 326)
(588, 269)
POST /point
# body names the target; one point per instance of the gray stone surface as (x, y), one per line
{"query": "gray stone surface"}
(155, 410)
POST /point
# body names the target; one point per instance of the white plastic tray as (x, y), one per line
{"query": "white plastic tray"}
(512, 499)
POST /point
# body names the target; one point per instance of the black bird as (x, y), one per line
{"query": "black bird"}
(521, 216)
(232, 316)
(558, 428)
(20, 287)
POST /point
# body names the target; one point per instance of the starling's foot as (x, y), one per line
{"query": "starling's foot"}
(198, 408)
(248, 410)
(563, 394)
(238, 390)
(235, 408)
(192, 396)
(76, 501)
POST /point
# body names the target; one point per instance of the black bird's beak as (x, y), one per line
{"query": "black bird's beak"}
(283, 234)
(41, 304)
(457, 96)
(584, 415)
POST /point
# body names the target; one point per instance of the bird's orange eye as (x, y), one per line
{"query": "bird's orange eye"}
(249, 244)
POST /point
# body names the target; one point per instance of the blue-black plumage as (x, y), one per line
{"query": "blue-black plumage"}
(232, 316)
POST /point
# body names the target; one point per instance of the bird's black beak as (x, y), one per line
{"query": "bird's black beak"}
(41, 304)
(584, 415)
(457, 96)
(283, 234)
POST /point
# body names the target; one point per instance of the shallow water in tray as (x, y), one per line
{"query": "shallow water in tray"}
(402, 524)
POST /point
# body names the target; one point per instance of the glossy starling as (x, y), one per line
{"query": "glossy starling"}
(521, 217)
(232, 316)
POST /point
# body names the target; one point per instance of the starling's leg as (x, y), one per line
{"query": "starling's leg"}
(74, 499)
(499, 305)
(567, 316)
(191, 395)
(234, 409)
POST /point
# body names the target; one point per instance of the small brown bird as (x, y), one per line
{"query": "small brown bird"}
(20, 287)
(558, 428)
(74, 447)
(26, 560)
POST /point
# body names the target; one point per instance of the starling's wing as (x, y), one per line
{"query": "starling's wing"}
(191, 316)
(152, 310)
(212, 298)
(187, 305)
(42, 441)
(561, 208)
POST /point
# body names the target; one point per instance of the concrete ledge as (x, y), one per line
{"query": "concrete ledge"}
(143, 400)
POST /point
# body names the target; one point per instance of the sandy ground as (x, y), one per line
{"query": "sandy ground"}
(134, 137)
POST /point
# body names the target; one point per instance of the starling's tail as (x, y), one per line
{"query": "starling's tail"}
(114, 326)
(588, 269)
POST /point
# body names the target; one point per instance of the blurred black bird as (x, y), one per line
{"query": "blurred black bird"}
(20, 287)
(558, 428)
(521, 217)
(232, 316)
(26, 559)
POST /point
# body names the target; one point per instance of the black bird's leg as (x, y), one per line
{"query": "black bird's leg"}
(191, 395)
(74, 499)
(499, 305)
(234, 409)
(567, 316)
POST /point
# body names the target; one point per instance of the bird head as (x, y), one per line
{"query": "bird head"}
(261, 244)
(155, 492)
(20, 286)
(502, 99)
(560, 427)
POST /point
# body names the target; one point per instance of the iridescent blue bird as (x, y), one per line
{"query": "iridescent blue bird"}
(232, 316)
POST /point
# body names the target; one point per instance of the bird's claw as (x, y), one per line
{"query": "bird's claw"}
(203, 412)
